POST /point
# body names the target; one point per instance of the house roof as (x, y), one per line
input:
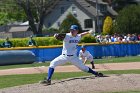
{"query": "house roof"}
(111, 11)
(99, 1)
(18, 29)
(25, 23)
(91, 8)
(88, 7)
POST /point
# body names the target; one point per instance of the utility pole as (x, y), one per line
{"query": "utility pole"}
(97, 17)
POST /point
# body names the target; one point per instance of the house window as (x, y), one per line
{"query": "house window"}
(62, 10)
(88, 23)
(103, 8)
(74, 12)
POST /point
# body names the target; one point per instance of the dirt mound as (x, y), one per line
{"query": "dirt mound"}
(88, 84)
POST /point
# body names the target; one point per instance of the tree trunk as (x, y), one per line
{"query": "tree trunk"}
(40, 26)
(29, 15)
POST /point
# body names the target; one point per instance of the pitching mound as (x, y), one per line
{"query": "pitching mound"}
(87, 84)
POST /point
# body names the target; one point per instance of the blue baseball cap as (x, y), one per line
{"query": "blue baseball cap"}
(74, 27)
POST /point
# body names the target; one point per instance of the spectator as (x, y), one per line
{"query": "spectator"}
(7, 43)
(115, 38)
(135, 37)
(128, 37)
(99, 39)
(120, 38)
(107, 38)
(139, 37)
(112, 38)
(124, 39)
(31, 42)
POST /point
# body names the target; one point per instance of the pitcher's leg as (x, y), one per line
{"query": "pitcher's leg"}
(50, 73)
(56, 62)
(47, 80)
(78, 63)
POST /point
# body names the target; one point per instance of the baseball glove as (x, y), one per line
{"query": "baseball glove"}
(60, 36)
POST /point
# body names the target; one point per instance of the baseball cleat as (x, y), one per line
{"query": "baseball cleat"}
(46, 82)
(99, 75)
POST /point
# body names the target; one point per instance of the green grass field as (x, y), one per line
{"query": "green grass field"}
(15, 80)
(97, 61)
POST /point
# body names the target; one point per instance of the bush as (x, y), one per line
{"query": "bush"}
(88, 39)
(45, 41)
(41, 41)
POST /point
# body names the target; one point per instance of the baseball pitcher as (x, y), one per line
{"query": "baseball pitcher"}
(69, 53)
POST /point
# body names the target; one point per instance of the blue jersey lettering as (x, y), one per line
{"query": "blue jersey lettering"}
(73, 41)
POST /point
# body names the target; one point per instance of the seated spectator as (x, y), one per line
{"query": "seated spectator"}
(112, 38)
(99, 39)
(107, 38)
(135, 37)
(124, 39)
(115, 38)
(120, 39)
(128, 37)
(31, 42)
(139, 37)
(7, 43)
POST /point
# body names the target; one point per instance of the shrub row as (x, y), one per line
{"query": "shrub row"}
(45, 41)
(41, 41)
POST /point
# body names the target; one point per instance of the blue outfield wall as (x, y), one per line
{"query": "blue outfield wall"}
(48, 53)
(118, 50)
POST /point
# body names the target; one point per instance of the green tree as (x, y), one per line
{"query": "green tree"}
(128, 20)
(10, 12)
(36, 10)
(3, 18)
(107, 25)
(119, 4)
(67, 22)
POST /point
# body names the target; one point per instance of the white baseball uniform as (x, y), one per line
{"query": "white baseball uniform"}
(85, 55)
(69, 53)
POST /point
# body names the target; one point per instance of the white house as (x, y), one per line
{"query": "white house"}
(86, 11)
